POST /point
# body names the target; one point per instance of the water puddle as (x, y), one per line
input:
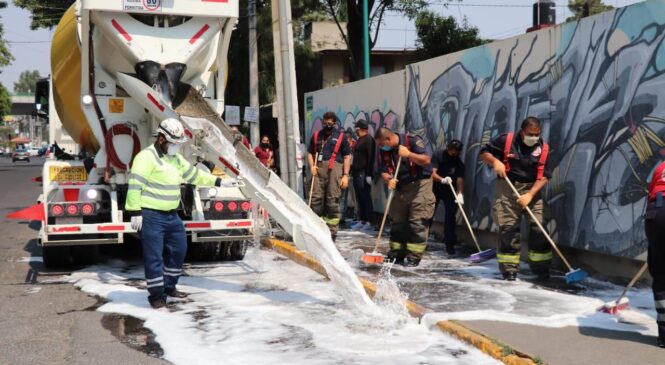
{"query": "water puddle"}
(130, 331)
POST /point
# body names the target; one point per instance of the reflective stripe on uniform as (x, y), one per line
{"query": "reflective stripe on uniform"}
(539, 256)
(153, 280)
(168, 269)
(508, 259)
(660, 304)
(189, 171)
(395, 245)
(169, 198)
(192, 179)
(151, 184)
(416, 247)
(331, 221)
(172, 274)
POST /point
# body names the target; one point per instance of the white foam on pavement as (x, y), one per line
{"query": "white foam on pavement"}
(461, 291)
(265, 310)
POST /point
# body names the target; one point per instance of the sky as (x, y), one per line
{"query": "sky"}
(496, 19)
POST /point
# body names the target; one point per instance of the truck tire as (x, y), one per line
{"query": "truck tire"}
(224, 251)
(237, 250)
(202, 251)
(85, 255)
(56, 257)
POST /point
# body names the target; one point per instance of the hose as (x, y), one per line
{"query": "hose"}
(111, 155)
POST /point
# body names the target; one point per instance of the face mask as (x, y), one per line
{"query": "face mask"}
(328, 128)
(386, 148)
(172, 149)
(531, 140)
(265, 145)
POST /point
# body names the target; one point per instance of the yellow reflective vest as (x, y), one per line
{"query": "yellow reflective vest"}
(155, 178)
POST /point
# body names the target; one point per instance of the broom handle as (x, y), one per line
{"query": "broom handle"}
(311, 188)
(542, 229)
(632, 282)
(385, 214)
(466, 220)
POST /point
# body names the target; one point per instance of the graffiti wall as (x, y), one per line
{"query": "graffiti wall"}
(596, 84)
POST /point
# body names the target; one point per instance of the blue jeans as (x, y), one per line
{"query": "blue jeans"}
(363, 197)
(164, 247)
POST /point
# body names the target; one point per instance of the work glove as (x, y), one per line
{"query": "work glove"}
(226, 183)
(392, 184)
(136, 222)
(524, 200)
(499, 168)
(314, 170)
(368, 180)
(447, 180)
(344, 182)
(403, 152)
(460, 198)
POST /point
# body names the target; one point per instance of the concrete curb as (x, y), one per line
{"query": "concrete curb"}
(496, 349)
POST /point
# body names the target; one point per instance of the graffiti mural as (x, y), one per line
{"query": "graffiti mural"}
(597, 85)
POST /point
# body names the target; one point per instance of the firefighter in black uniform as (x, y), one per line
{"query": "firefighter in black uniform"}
(413, 201)
(448, 168)
(523, 158)
(330, 172)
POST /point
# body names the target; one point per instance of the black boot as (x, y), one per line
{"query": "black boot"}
(543, 275)
(175, 293)
(509, 276)
(157, 303)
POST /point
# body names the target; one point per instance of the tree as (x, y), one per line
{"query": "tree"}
(5, 102)
(577, 8)
(6, 57)
(45, 13)
(27, 82)
(351, 11)
(439, 35)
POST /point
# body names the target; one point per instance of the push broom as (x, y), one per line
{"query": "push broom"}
(311, 188)
(621, 303)
(375, 258)
(573, 275)
(481, 255)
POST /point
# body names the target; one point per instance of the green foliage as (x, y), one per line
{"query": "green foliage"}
(5, 102)
(237, 89)
(27, 81)
(45, 13)
(6, 57)
(439, 35)
(577, 8)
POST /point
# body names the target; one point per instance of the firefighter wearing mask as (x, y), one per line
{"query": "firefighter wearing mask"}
(329, 159)
(413, 201)
(523, 158)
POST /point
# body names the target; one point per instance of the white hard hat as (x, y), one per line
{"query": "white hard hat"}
(173, 130)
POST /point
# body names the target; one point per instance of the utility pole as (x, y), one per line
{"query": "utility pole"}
(253, 71)
(285, 73)
(279, 93)
(365, 39)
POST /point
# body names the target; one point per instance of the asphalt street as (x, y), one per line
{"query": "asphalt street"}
(45, 320)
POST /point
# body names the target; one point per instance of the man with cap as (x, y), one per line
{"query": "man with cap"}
(329, 158)
(361, 170)
(413, 201)
(153, 197)
(448, 168)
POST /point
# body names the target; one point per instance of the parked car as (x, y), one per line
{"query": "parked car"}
(34, 151)
(21, 155)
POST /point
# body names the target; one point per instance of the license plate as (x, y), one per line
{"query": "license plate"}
(67, 173)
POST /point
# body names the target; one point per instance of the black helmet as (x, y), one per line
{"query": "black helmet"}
(455, 144)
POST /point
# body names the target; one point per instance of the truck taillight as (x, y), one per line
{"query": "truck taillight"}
(72, 209)
(246, 206)
(232, 206)
(57, 210)
(218, 206)
(87, 209)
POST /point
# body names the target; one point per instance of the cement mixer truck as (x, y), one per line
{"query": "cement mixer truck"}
(118, 68)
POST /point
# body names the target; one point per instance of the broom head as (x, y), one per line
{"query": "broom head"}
(373, 258)
(575, 276)
(482, 256)
(614, 306)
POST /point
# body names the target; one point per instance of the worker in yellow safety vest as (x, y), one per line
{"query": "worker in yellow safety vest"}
(153, 197)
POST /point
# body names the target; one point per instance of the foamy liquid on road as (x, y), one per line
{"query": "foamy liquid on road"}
(268, 310)
(317, 240)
